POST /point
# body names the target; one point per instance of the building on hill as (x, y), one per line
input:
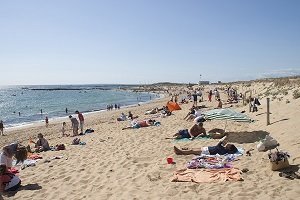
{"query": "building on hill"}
(203, 83)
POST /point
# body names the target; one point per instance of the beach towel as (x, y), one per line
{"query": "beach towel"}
(211, 161)
(188, 139)
(207, 175)
(13, 170)
(34, 157)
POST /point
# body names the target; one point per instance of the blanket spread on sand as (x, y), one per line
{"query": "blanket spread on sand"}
(211, 161)
(207, 175)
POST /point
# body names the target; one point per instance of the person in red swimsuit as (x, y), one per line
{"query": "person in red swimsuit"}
(81, 121)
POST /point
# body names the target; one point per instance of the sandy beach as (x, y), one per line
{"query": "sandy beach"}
(131, 164)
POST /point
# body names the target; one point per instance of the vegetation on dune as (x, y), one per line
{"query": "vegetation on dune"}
(296, 94)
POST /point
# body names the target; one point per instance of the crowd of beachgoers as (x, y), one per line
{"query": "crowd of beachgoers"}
(133, 152)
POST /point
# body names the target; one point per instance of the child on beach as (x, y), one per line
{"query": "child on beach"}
(219, 103)
(63, 129)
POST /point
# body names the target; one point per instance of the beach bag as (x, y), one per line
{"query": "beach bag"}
(278, 165)
(278, 160)
(60, 147)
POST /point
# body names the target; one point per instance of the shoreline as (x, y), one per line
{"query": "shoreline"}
(30, 123)
(66, 118)
(132, 163)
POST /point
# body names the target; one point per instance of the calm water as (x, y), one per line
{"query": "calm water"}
(29, 100)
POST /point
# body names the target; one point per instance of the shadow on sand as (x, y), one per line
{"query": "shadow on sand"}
(279, 120)
(291, 168)
(34, 186)
(246, 137)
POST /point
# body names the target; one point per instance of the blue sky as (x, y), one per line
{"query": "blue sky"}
(139, 41)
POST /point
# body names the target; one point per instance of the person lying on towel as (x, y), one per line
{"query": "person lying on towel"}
(139, 124)
(196, 131)
(221, 148)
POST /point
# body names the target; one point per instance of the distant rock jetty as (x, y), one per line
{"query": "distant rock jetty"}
(54, 89)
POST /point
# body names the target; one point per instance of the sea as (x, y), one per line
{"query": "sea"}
(28, 104)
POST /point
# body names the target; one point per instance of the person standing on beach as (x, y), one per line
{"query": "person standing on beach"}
(81, 120)
(219, 103)
(1, 127)
(66, 110)
(74, 125)
(195, 99)
(217, 94)
(47, 121)
(210, 95)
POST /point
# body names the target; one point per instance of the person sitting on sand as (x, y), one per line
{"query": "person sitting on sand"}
(14, 149)
(8, 180)
(184, 101)
(130, 115)
(139, 124)
(221, 148)
(197, 113)
(41, 144)
(122, 117)
(192, 111)
(165, 112)
(195, 131)
(152, 111)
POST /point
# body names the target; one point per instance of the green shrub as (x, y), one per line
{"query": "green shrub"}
(281, 82)
(296, 94)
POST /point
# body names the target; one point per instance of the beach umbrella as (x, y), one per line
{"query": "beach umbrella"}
(226, 114)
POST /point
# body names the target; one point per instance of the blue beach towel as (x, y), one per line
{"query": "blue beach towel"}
(187, 139)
